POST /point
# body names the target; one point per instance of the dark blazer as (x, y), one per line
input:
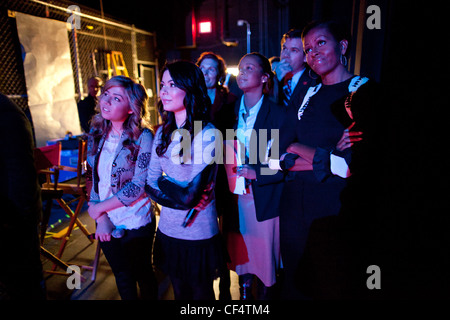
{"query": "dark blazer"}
(19, 187)
(86, 110)
(21, 210)
(267, 188)
(300, 90)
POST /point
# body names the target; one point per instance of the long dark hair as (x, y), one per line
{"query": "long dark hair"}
(189, 78)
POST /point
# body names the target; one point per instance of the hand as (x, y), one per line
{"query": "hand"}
(104, 228)
(94, 210)
(349, 138)
(287, 161)
(206, 197)
(282, 69)
(246, 171)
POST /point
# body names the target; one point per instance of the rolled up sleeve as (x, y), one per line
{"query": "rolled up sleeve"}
(134, 189)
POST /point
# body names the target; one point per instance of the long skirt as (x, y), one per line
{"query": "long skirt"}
(255, 249)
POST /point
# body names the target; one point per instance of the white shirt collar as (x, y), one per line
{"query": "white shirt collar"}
(245, 127)
(253, 110)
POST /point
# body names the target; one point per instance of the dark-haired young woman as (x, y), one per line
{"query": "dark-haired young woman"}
(182, 171)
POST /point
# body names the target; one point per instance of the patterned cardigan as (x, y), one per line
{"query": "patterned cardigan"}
(128, 171)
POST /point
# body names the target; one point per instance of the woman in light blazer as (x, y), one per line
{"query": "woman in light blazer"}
(119, 148)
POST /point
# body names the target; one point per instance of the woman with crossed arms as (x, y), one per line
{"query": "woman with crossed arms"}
(326, 158)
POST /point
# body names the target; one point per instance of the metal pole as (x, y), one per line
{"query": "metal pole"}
(81, 14)
(248, 37)
(134, 53)
(104, 29)
(77, 64)
(240, 23)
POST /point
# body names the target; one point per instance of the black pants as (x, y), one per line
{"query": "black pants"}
(130, 258)
(313, 253)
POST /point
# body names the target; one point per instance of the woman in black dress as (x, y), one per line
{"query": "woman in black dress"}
(323, 136)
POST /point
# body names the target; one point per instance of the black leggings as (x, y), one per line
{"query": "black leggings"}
(192, 290)
(130, 258)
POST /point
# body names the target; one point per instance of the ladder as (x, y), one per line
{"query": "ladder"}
(114, 64)
(118, 64)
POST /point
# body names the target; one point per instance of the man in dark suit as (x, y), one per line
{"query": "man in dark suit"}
(292, 73)
(86, 107)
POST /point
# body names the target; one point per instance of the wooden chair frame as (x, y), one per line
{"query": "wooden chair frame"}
(52, 189)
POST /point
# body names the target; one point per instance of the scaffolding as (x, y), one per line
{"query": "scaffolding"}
(100, 46)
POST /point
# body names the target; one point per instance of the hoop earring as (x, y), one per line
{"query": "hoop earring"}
(313, 75)
(343, 60)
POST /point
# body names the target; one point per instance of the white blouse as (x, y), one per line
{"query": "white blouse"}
(245, 126)
(138, 214)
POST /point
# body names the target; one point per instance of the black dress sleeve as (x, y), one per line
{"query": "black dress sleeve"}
(190, 195)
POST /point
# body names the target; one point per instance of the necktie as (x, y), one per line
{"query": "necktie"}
(287, 89)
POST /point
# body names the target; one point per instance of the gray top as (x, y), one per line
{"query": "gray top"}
(205, 224)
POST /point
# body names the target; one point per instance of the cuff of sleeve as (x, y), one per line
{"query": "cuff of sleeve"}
(122, 200)
(321, 164)
(129, 193)
(339, 167)
(274, 164)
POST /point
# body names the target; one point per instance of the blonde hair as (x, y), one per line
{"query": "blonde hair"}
(137, 121)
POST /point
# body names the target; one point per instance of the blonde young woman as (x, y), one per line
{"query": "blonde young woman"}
(119, 148)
